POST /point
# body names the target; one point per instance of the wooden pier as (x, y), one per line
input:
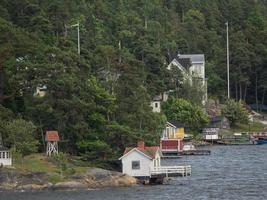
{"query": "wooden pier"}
(196, 152)
(176, 154)
(170, 171)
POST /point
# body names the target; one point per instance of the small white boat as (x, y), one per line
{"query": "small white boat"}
(189, 147)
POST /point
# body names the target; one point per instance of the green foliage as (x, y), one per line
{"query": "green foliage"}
(62, 162)
(94, 149)
(102, 96)
(235, 112)
(21, 136)
(191, 115)
(194, 92)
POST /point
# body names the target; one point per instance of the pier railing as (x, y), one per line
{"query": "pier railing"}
(169, 171)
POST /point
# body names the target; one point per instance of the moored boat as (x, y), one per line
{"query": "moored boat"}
(259, 138)
(260, 141)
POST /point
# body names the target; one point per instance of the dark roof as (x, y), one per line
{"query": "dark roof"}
(176, 123)
(216, 119)
(186, 60)
(211, 125)
(2, 148)
(171, 56)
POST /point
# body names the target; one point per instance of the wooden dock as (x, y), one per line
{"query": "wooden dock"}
(171, 156)
(196, 152)
(170, 171)
(176, 154)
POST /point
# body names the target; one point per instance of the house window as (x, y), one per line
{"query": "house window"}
(156, 105)
(135, 164)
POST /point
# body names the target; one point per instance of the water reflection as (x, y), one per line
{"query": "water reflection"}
(230, 172)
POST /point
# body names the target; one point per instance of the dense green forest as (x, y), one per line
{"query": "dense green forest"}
(100, 100)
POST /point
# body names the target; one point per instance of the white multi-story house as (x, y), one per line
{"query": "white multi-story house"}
(192, 67)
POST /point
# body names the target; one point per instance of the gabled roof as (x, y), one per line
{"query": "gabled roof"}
(2, 148)
(186, 60)
(185, 63)
(52, 136)
(176, 123)
(149, 152)
(216, 119)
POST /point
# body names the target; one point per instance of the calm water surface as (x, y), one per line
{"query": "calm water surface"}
(230, 172)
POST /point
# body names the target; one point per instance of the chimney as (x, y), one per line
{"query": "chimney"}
(141, 144)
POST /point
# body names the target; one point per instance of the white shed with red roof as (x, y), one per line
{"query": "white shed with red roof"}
(139, 161)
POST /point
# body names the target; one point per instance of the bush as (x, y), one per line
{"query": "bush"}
(21, 136)
(235, 112)
(191, 115)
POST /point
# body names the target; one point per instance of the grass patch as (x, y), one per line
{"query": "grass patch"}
(55, 178)
(41, 163)
(35, 163)
(252, 127)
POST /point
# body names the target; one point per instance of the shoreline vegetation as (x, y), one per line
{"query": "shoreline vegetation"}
(38, 172)
(13, 180)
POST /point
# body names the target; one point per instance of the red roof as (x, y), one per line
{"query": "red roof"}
(149, 151)
(52, 136)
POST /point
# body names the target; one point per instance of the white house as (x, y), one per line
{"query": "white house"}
(5, 156)
(139, 161)
(144, 163)
(192, 67)
(157, 101)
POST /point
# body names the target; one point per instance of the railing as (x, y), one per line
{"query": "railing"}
(169, 147)
(169, 170)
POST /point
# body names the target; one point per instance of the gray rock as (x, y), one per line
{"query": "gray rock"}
(70, 185)
(99, 173)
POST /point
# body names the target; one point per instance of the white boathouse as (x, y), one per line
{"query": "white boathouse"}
(145, 163)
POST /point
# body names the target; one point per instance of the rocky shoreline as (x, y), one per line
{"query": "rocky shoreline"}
(94, 178)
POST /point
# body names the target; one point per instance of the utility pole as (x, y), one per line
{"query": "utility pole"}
(78, 36)
(119, 51)
(1, 140)
(228, 78)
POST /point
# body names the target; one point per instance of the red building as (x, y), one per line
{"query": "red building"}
(172, 138)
